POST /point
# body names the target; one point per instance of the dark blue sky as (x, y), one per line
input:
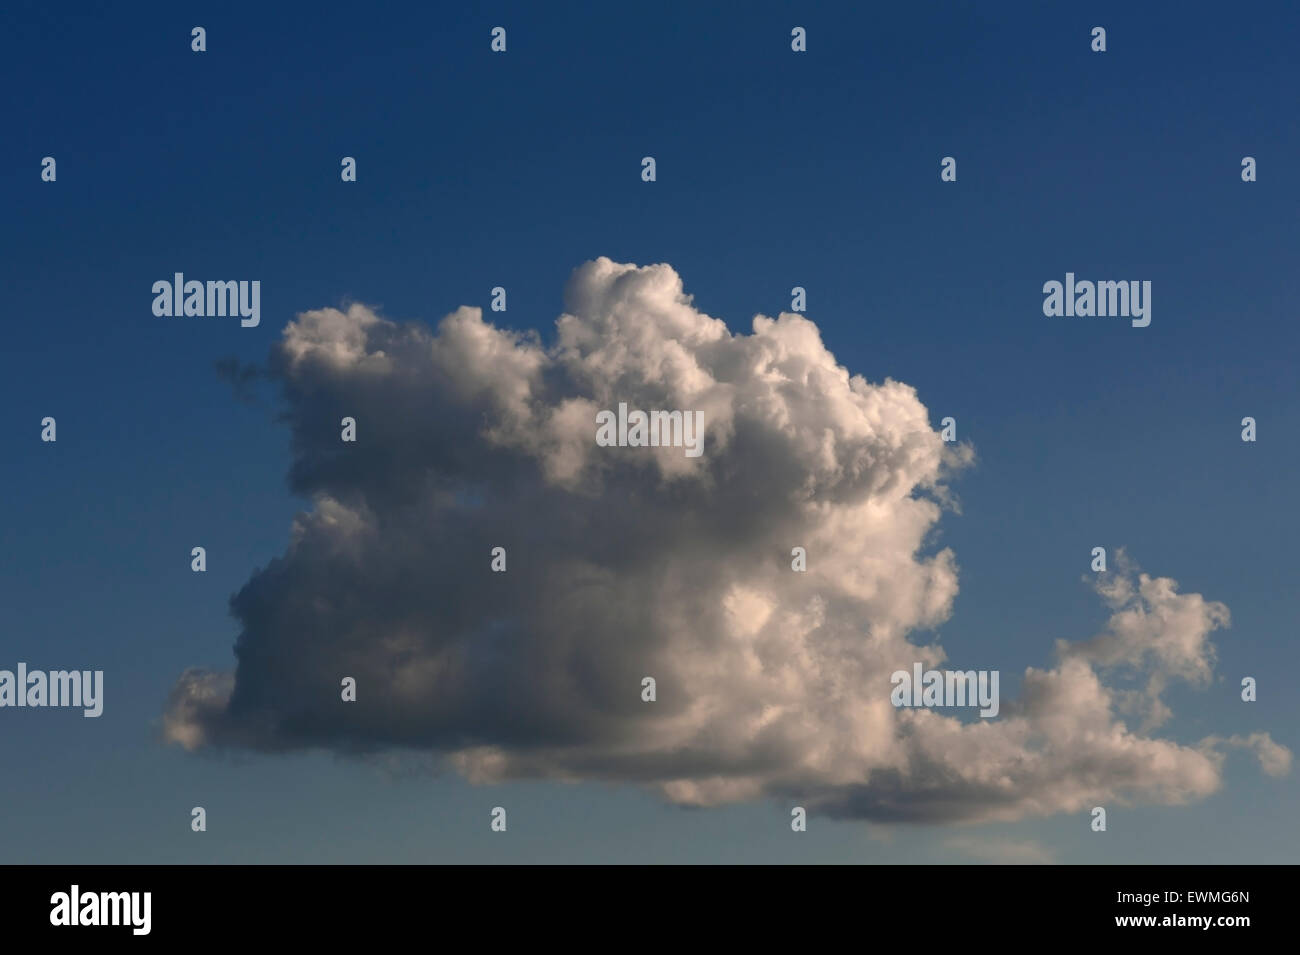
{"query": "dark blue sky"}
(774, 170)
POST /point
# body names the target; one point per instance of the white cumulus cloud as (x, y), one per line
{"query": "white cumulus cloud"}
(626, 562)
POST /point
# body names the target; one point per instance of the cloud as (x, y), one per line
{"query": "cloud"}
(1274, 759)
(241, 377)
(1152, 624)
(627, 562)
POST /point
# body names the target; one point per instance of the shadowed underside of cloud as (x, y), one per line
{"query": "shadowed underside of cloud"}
(627, 562)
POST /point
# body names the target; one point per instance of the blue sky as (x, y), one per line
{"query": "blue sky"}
(775, 169)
